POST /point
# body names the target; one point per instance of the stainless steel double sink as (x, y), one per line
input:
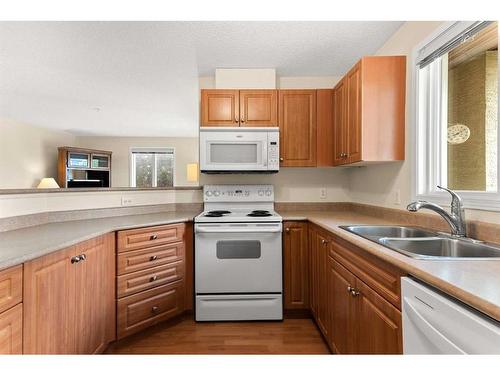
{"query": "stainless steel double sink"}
(424, 244)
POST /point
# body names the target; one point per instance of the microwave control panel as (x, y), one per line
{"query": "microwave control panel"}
(273, 150)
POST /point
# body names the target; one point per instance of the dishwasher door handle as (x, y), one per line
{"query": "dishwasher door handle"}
(427, 329)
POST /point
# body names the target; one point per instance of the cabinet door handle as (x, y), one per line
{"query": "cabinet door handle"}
(281, 159)
(236, 119)
(83, 257)
(154, 309)
(75, 259)
(153, 278)
(287, 230)
(153, 257)
(324, 242)
(153, 237)
(242, 119)
(349, 289)
(354, 292)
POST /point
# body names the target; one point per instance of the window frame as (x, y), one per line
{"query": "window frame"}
(426, 172)
(132, 170)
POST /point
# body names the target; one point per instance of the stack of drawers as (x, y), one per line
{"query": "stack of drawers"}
(11, 310)
(150, 276)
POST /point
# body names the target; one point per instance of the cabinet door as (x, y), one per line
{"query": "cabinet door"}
(297, 122)
(322, 249)
(313, 272)
(49, 303)
(354, 114)
(296, 264)
(379, 323)
(258, 108)
(341, 308)
(220, 108)
(95, 302)
(325, 132)
(340, 123)
(11, 330)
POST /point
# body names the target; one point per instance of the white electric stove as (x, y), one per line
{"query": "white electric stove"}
(238, 255)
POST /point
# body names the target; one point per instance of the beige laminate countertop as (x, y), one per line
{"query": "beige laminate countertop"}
(474, 282)
(21, 245)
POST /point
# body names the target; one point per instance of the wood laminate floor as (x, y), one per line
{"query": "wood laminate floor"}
(185, 336)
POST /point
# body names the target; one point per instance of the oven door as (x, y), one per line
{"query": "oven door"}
(238, 258)
(233, 151)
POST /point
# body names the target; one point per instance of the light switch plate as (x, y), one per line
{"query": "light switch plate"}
(322, 193)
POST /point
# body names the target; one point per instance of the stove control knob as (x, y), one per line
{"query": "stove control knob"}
(216, 193)
(261, 193)
(208, 193)
(268, 193)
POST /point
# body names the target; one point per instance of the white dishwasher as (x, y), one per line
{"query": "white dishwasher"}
(434, 323)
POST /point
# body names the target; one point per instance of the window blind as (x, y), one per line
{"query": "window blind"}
(455, 35)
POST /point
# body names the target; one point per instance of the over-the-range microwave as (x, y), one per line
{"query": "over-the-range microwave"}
(239, 150)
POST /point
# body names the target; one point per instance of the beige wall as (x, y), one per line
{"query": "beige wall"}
(186, 151)
(28, 153)
(379, 184)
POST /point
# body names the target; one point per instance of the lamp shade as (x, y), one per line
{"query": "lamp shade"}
(48, 183)
(192, 172)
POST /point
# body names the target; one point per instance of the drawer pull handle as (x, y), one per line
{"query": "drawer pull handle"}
(155, 309)
(349, 289)
(153, 237)
(354, 292)
(75, 259)
(153, 278)
(324, 242)
(152, 258)
(83, 257)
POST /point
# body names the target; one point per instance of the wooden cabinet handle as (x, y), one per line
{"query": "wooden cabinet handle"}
(236, 119)
(324, 242)
(242, 119)
(287, 230)
(153, 278)
(281, 159)
(152, 258)
(154, 309)
(153, 237)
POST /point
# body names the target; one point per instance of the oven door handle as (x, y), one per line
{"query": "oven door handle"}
(238, 230)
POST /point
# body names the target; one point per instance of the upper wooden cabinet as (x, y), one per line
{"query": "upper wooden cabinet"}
(296, 266)
(369, 111)
(297, 121)
(239, 107)
(69, 299)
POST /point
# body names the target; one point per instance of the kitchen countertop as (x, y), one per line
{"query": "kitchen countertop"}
(21, 245)
(474, 282)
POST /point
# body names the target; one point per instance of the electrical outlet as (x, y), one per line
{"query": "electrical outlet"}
(397, 197)
(322, 193)
(127, 201)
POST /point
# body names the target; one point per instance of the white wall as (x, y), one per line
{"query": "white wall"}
(186, 151)
(379, 184)
(28, 154)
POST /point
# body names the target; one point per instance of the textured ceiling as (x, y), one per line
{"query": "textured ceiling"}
(141, 78)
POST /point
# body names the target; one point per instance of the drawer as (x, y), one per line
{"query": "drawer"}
(139, 260)
(379, 275)
(149, 278)
(11, 330)
(134, 239)
(11, 287)
(144, 309)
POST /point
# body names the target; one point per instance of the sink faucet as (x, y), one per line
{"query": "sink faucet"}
(456, 219)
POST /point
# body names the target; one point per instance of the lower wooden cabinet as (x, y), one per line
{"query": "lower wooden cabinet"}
(69, 299)
(11, 330)
(319, 247)
(151, 280)
(296, 266)
(354, 298)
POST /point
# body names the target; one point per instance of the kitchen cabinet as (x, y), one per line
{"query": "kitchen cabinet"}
(369, 112)
(151, 285)
(361, 320)
(297, 122)
(325, 130)
(11, 330)
(296, 266)
(251, 108)
(319, 247)
(69, 299)
(11, 287)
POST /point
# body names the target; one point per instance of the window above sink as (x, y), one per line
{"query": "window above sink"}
(456, 115)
